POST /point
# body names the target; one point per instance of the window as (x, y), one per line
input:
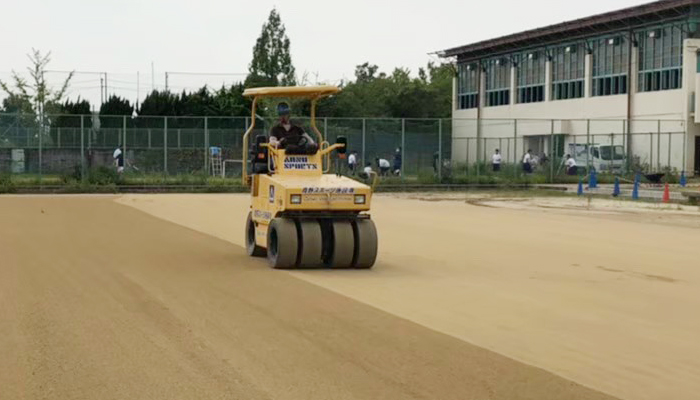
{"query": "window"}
(568, 72)
(530, 77)
(467, 86)
(610, 57)
(497, 82)
(660, 58)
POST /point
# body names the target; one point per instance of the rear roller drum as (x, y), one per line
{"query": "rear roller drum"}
(252, 249)
(311, 249)
(365, 243)
(343, 245)
(282, 243)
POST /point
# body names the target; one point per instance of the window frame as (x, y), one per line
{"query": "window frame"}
(568, 71)
(498, 82)
(467, 86)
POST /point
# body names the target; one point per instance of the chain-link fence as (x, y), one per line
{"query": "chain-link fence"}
(73, 145)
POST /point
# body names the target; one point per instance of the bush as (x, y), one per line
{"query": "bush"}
(103, 176)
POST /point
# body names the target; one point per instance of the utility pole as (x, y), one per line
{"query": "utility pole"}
(102, 90)
(138, 87)
(106, 88)
(166, 81)
(153, 77)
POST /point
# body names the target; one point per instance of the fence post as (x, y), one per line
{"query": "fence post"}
(149, 138)
(588, 145)
(41, 144)
(364, 125)
(685, 139)
(612, 151)
(440, 150)
(658, 145)
(325, 128)
(124, 141)
(515, 147)
(551, 151)
(165, 145)
(466, 164)
(206, 145)
(58, 137)
(404, 160)
(82, 148)
(669, 151)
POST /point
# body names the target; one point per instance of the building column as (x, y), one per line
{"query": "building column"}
(691, 97)
(513, 84)
(588, 75)
(548, 80)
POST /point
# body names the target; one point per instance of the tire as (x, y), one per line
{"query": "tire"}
(282, 244)
(311, 249)
(366, 243)
(343, 245)
(252, 249)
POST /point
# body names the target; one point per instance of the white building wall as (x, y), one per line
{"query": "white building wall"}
(595, 116)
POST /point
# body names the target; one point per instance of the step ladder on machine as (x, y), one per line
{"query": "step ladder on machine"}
(215, 161)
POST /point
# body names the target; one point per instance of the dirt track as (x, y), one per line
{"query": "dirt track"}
(102, 301)
(606, 297)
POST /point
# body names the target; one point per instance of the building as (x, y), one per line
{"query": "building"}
(620, 82)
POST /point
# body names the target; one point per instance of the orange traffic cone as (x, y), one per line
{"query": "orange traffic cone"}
(667, 194)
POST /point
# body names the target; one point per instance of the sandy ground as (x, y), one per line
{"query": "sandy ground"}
(604, 294)
(103, 301)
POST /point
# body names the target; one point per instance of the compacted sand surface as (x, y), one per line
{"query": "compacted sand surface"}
(157, 300)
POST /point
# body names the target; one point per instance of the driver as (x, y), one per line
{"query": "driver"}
(286, 133)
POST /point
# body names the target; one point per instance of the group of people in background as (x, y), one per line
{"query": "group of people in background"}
(384, 167)
(529, 161)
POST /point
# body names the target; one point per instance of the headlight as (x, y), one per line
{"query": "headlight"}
(295, 199)
(359, 199)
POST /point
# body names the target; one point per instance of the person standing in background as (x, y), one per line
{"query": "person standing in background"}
(398, 161)
(527, 162)
(118, 156)
(496, 161)
(352, 162)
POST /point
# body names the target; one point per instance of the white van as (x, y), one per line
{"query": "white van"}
(602, 158)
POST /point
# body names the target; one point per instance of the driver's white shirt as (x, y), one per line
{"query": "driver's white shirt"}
(527, 158)
(384, 163)
(571, 162)
(368, 170)
(117, 153)
(352, 159)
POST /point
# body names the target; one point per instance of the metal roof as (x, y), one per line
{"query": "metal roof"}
(293, 91)
(627, 18)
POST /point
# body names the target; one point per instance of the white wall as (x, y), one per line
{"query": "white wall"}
(598, 116)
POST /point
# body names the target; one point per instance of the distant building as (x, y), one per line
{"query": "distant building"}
(632, 73)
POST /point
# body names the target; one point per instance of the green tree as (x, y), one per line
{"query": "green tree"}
(272, 62)
(44, 99)
(114, 106)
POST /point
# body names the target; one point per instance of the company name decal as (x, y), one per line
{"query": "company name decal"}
(299, 163)
(262, 214)
(314, 190)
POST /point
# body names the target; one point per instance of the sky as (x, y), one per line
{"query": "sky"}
(128, 39)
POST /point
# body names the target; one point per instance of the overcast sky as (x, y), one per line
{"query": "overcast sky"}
(328, 38)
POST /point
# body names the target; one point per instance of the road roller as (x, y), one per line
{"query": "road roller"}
(303, 214)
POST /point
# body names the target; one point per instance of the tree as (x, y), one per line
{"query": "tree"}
(272, 62)
(114, 106)
(44, 100)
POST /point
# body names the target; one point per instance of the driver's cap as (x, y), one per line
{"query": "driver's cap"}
(283, 109)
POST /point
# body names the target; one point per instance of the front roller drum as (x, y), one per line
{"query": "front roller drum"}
(282, 243)
(366, 243)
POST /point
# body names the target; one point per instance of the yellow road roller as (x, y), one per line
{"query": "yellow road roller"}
(302, 215)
